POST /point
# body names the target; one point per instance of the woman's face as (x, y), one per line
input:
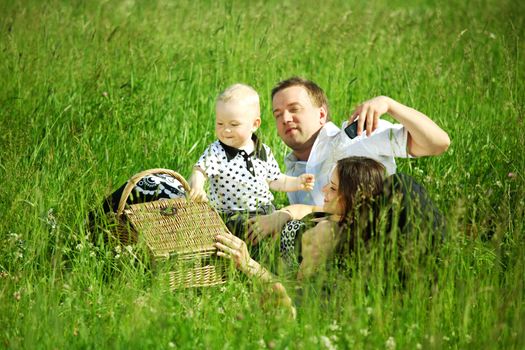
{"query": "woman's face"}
(331, 195)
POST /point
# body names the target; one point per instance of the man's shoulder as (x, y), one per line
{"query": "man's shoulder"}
(329, 129)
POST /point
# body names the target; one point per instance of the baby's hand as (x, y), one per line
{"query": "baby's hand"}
(307, 182)
(198, 195)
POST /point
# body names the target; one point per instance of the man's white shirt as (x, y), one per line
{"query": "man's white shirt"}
(386, 142)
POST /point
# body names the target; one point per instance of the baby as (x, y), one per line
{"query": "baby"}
(241, 169)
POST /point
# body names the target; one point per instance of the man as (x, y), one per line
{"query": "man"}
(301, 112)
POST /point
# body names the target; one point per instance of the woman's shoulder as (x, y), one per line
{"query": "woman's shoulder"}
(325, 226)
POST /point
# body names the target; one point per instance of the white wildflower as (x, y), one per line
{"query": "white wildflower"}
(364, 332)
(51, 219)
(334, 327)
(15, 236)
(390, 343)
(369, 311)
(189, 313)
(327, 343)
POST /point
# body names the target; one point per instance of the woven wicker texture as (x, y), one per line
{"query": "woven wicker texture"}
(175, 230)
(176, 226)
(203, 276)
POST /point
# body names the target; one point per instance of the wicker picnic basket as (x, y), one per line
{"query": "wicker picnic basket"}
(177, 230)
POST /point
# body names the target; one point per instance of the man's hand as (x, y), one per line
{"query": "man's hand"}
(260, 227)
(369, 113)
(425, 137)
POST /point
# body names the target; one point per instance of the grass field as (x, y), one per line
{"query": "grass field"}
(92, 92)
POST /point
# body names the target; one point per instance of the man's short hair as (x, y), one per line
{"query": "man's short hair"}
(317, 95)
(239, 93)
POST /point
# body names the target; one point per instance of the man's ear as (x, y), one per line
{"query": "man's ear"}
(323, 115)
(256, 124)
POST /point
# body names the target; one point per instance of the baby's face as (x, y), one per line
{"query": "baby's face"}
(235, 123)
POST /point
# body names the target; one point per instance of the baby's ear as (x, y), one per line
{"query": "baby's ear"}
(256, 124)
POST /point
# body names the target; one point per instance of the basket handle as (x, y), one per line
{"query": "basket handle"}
(137, 177)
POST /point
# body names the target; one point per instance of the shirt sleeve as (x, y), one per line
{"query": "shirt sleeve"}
(209, 161)
(388, 140)
(391, 141)
(273, 171)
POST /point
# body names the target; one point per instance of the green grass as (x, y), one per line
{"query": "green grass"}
(93, 92)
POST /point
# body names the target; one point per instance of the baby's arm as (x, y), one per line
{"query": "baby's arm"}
(285, 183)
(197, 181)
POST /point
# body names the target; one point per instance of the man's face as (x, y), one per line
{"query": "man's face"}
(297, 119)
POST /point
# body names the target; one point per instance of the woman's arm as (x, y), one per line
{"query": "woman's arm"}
(232, 247)
(262, 226)
(318, 244)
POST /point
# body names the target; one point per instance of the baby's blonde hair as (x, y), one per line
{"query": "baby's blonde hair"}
(239, 93)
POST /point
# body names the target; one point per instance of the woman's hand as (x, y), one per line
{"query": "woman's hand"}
(234, 248)
(259, 227)
(277, 297)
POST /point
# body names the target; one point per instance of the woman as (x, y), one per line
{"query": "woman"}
(352, 212)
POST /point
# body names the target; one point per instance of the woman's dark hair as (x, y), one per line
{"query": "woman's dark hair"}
(395, 208)
(360, 186)
(360, 180)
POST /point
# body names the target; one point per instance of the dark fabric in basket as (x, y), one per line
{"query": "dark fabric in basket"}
(150, 188)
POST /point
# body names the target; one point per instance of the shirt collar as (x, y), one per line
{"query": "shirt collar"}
(328, 130)
(231, 152)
